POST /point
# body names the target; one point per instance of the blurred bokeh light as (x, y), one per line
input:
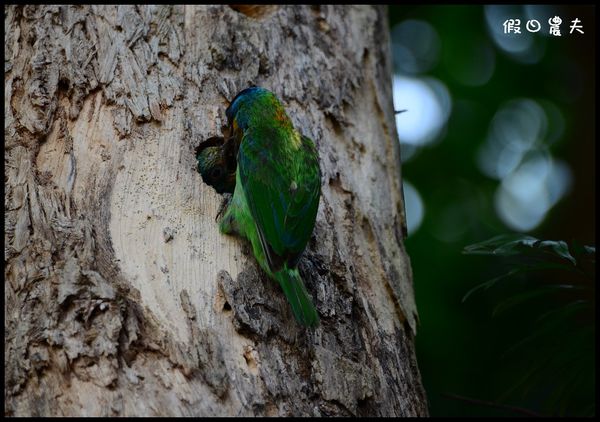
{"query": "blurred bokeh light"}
(528, 193)
(416, 47)
(427, 104)
(414, 207)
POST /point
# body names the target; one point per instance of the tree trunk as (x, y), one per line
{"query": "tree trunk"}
(122, 297)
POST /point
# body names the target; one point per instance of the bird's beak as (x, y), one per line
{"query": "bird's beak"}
(227, 130)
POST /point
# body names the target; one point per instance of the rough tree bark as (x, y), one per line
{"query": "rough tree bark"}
(122, 298)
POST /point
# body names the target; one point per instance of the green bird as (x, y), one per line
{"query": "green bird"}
(276, 194)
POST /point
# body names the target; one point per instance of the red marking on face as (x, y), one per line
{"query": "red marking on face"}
(280, 115)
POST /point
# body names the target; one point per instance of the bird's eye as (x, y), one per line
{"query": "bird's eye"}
(216, 173)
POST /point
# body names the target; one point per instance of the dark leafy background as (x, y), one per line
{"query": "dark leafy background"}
(507, 324)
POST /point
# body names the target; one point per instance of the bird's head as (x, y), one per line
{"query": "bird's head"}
(254, 104)
(214, 168)
(244, 100)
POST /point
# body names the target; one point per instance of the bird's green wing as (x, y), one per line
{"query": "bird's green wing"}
(282, 190)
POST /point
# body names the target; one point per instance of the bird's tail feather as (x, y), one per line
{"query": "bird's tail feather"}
(298, 297)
